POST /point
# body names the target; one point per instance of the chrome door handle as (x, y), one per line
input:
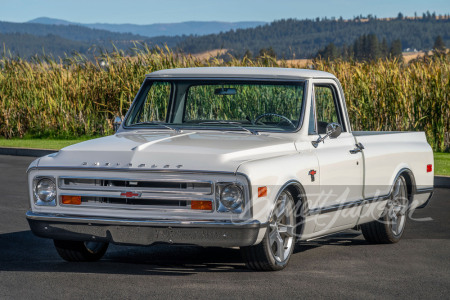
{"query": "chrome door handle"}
(354, 151)
(359, 148)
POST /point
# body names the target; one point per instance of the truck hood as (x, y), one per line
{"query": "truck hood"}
(156, 150)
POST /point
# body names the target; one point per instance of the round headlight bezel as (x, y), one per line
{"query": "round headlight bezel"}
(231, 198)
(45, 191)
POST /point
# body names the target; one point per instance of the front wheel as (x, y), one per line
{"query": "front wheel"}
(275, 250)
(389, 228)
(80, 251)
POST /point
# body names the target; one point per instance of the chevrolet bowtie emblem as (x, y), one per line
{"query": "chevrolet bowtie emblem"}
(130, 194)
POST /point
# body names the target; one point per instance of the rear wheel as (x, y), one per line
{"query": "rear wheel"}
(274, 251)
(80, 251)
(389, 228)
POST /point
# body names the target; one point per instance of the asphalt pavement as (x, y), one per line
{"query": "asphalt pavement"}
(340, 266)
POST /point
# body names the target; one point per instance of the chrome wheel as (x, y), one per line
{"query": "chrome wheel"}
(389, 228)
(397, 207)
(282, 223)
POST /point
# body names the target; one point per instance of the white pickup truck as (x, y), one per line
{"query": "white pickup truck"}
(256, 158)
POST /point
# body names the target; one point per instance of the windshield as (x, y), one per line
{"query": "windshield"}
(221, 105)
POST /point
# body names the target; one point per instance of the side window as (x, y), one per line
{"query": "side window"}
(326, 110)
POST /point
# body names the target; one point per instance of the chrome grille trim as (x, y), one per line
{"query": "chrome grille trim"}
(148, 197)
(209, 186)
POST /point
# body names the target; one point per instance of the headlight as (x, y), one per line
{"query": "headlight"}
(231, 198)
(45, 191)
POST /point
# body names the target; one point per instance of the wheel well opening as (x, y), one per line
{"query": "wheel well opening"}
(410, 183)
(299, 196)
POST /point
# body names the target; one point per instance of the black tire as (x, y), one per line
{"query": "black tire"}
(390, 227)
(80, 251)
(268, 255)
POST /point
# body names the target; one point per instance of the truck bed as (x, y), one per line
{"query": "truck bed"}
(388, 152)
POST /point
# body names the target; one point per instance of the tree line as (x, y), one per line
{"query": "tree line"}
(293, 38)
(368, 47)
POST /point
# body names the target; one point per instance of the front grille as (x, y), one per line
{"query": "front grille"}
(173, 186)
(133, 201)
(155, 193)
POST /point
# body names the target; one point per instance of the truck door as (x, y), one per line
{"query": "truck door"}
(340, 171)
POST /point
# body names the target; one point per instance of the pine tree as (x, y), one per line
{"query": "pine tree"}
(373, 51)
(384, 48)
(439, 45)
(396, 50)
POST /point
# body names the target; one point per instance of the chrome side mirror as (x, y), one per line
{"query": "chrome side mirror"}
(333, 131)
(117, 122)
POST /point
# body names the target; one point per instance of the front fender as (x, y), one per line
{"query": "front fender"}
(274, 173)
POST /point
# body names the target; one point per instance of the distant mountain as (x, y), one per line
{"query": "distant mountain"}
(159, 29)
(27, 39)
(71, 32)
(51, 21)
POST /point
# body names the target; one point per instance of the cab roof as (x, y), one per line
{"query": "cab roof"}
(240, 72)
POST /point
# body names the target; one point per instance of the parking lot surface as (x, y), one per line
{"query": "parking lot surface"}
(340, 266)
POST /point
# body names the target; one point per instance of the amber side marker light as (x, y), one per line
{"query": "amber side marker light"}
(429, 168)
(262, 191)
(201, 205)
(74, 200)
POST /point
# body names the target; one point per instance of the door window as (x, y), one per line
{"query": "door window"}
(326, 110)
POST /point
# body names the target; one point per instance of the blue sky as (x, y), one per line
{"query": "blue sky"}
(169, 11)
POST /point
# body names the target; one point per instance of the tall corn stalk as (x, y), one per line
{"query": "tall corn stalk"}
(76, 96)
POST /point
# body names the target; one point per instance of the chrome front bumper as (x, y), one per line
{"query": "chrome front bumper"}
(145, 232)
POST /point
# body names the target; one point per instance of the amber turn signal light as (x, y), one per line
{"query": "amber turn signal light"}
(262, 191)
(201, 205)
(74, 200)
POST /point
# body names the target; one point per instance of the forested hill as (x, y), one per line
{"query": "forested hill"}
(303, 38)
(27, 40)
(71, 32)
(159, 29)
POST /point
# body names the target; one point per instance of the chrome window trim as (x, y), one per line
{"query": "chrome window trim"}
(299, 80)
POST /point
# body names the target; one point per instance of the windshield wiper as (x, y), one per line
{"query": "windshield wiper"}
(160, 124)
(236, 124)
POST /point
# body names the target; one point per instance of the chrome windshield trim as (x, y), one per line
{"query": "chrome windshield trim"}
(278, 80)
(144, 222)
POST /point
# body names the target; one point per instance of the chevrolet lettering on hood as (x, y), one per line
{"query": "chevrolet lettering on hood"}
(255, 158)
